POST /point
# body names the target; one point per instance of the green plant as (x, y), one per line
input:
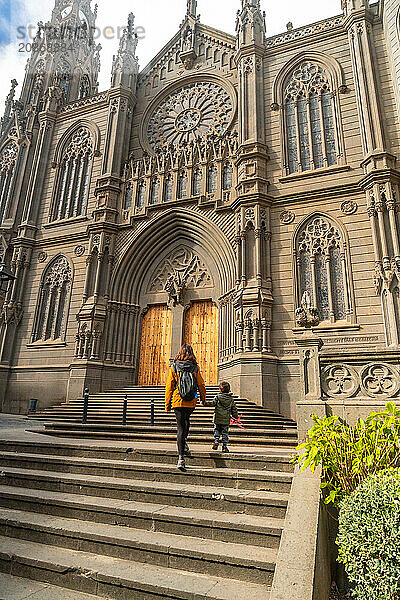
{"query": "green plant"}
(369, 537)
(348, 455)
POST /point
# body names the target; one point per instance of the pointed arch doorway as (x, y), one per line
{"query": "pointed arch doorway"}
(201, 332)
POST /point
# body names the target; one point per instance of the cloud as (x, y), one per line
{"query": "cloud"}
(160, 20)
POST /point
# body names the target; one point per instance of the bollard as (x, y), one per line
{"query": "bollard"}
(85, 405)
(125, 410)
(152, 412)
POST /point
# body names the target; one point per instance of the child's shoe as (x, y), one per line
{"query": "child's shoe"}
(225, 448)
(215, 445)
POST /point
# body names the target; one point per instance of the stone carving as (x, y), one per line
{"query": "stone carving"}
(190, 113)
(8, 157)
(42, 257)
(349, 207)
(287, 216)
(80, 250)
(180, 271)
(80, 145)
(306, 314)
(319, 236)
(340, 381)
(380, 381)
(59, 273)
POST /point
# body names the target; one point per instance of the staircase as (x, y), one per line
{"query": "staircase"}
(112, 521)
(262, 427)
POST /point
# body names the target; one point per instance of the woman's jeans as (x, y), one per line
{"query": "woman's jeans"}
(182, 415)
(221, 430)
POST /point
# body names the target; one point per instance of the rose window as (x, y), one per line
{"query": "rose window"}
(190, 113)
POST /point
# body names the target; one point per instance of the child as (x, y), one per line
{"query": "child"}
(225, 407)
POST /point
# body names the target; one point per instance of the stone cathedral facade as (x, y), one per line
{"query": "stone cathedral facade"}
(236, 192)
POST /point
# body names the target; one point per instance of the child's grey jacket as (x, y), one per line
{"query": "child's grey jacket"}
(225, 407)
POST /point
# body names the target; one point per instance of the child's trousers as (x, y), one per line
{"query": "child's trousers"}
(221, 430)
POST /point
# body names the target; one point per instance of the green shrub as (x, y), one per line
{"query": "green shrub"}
(369, 537)
(348, 455)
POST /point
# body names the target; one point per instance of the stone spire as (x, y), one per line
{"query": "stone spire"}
(76, 71)
(125, 63)
(191, 9)
(250, 24)
(9, 105)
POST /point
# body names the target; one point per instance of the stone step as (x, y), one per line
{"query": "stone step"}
(208, 524)
(118, 578)
(253, 502)
(238, 561)
(229, 478)
(194, 430)
(105, 432)
(17, 588)
(234, 460)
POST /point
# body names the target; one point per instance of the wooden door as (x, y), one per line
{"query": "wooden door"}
(201, 332)
(155, 346)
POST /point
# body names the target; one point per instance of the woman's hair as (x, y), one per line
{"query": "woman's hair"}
(186, 353)
(224, 387)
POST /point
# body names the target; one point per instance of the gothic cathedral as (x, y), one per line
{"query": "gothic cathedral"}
(237, 193)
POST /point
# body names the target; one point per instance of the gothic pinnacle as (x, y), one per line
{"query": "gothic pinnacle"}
(191, 8)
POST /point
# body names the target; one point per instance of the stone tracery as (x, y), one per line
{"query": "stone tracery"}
(190, 113)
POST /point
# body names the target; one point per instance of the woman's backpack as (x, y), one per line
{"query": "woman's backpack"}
(187, 381)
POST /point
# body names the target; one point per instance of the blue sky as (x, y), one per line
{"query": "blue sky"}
(159, 18)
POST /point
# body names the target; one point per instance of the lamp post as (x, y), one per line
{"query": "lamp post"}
(5, 277)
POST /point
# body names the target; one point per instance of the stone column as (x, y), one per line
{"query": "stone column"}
(310, 394)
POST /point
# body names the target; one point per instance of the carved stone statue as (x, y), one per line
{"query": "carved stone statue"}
(307, 315)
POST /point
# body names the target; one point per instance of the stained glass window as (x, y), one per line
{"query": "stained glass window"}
(128, 197)
(52, 302)
(309, 117)
(338, 291)
(227, 176)
(321, 266)
(74, 176)
(329, 128)
(155, 191)
(141, 195)
(292, 136)
(169, 188)
(183, 184)
(212, 180)
(316, 132)
(197, 182)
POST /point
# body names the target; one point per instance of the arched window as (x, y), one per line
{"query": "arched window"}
(63, 77)
(128, 197)
(51, 311)
(155, 191)
(227, 176)
(8, 158)
(310, 127)
(84, 87)
(182, 185)
(198, 182)
(322, 268)
(169, 188)
(141, 194)
(212, 179)
(74, 176)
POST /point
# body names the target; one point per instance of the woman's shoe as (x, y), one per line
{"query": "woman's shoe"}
(187, 450)
(181, 464)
